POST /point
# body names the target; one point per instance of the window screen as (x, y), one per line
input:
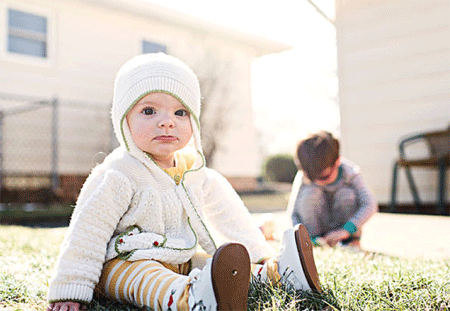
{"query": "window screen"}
(152, 47)
(27, 33)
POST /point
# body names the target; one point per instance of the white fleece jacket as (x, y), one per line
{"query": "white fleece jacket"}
(129, 211)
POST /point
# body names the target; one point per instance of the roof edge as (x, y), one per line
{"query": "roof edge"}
(262, 46)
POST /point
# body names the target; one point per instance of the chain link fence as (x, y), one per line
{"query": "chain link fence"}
(49, 146)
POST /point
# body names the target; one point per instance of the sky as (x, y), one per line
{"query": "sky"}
(294, 92)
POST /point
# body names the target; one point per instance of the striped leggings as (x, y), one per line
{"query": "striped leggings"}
(158, 285)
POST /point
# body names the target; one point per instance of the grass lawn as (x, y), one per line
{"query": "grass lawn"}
(351, 280)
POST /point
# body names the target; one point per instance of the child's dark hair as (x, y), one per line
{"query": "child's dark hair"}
(317, 152)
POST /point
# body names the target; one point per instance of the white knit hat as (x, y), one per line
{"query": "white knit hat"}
(150, 73)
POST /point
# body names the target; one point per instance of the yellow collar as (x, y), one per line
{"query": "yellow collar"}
(184, 162)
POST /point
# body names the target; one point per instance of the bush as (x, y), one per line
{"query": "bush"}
(280, 168)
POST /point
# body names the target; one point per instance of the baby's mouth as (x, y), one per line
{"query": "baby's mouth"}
(165, 138)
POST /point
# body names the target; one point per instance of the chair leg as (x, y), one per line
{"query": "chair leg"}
(393, 207)
(413, 188)
(441, 189)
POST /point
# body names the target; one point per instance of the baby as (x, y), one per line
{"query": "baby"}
(143, 213)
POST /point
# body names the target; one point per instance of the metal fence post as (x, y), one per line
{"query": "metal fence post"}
(55, 178)
(1, 154)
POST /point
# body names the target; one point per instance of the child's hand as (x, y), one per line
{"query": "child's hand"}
(320, 242)
(336, 236)
(65, 306)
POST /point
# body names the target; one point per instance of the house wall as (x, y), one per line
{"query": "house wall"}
(88, 44)
(394, 78)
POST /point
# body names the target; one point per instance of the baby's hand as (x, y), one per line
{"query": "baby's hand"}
(65, 306)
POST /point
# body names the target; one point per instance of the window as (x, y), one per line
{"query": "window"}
(27, 34)
(152, 47)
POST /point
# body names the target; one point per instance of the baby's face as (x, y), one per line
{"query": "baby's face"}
(160, 125)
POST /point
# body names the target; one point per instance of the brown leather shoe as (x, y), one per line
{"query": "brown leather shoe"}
(230, 274)
(305, 252)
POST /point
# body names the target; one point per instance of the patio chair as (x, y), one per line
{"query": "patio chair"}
(438, 143)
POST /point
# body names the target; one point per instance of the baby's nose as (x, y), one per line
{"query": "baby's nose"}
(166, 121)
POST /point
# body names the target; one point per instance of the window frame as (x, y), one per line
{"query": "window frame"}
(5, 54)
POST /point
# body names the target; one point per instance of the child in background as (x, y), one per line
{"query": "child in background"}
(329, 195)
(143, 213)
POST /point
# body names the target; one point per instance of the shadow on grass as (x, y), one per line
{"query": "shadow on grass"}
(282, 296)
(262, 296)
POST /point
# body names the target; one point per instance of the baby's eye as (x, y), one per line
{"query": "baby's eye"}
(181, 113)
(148, 111)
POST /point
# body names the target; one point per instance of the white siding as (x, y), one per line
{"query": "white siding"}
(394, 79)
